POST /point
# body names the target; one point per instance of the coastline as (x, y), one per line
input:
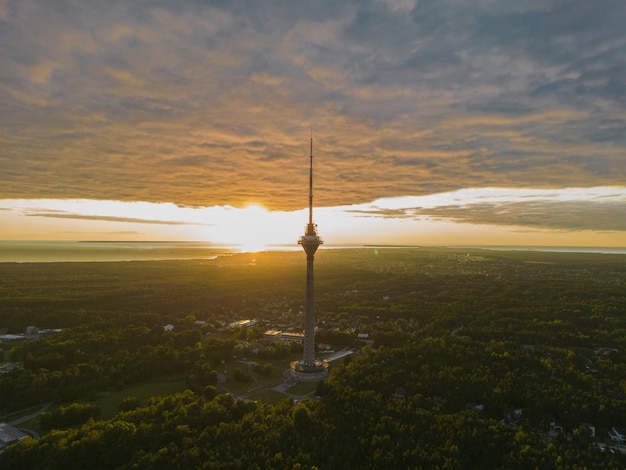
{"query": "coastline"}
(102, 251)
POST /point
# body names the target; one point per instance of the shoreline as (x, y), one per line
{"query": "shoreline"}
(118, 251)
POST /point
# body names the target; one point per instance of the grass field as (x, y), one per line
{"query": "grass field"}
(256, 380)
(166, 385)
(270, 396)
(253, 389)
(303, 388)
(233, 385)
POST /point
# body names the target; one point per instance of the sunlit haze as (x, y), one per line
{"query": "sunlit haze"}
(475, 217)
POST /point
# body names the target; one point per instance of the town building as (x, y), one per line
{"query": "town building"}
(9, 435)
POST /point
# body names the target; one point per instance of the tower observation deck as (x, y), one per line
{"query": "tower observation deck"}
(310, 368)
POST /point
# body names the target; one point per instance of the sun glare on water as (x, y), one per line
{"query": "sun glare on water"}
(254, 229)
(252, 247)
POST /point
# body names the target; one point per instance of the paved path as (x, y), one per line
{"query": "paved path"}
(28, 417)
(339, 354)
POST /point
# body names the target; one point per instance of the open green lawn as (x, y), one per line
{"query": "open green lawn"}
(302, 388)
(166, 385)
(110, 401)
(256, 379)
(231, 383)
(276, 376)
(240, 387)
(269, 396)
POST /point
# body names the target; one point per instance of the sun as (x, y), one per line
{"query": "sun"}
(253, 246)
(255, 237)
(253, 228)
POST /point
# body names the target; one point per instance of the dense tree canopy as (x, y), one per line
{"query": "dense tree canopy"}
(471, 357)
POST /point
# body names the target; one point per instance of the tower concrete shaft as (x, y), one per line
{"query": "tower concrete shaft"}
(308, 357)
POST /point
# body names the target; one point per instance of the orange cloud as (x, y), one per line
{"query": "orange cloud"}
(213, 105)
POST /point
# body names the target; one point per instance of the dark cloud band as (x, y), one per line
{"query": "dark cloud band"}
(104, 218)
(208, 103)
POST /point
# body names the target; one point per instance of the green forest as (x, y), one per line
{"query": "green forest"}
(462, 358)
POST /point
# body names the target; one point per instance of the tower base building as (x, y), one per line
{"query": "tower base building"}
(311, 372)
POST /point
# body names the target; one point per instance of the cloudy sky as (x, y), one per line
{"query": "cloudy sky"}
(434, 121)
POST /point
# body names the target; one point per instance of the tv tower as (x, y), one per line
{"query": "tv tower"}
(310, 368)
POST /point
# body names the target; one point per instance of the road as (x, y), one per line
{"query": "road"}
(30, 416)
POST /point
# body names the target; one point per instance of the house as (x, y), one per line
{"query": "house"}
(603, 352)
(242, 323)
(271, 336)
(477, 407)
(32, 332)
(292, 337)
(616, 436)
(555, 429)
(10, 337)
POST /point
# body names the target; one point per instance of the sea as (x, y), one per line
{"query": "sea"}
(83, 251)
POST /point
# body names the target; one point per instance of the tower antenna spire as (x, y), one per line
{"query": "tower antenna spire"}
(310, 228)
